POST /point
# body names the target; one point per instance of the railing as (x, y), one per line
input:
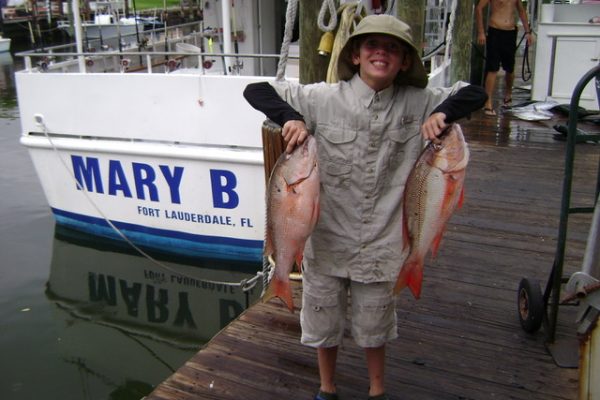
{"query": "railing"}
(157, 51)
(137, 61)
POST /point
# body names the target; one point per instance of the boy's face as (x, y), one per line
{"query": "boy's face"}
(380, 58)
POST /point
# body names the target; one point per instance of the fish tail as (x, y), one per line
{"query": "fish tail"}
(411, 275)
(281, 289)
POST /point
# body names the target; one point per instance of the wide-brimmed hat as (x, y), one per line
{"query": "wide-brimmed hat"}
(386, 25)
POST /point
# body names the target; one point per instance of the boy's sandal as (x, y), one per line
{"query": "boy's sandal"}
(382, 396)
(507, 103)
(490, 112)
(326, 396)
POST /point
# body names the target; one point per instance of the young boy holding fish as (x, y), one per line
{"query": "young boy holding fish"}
(370, 129)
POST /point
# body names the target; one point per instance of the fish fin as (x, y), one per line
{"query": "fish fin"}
(405, 232)
(446, 212)
(298, 259)
(316, 212)
(436, 242)
(281, 289)
(268, 248)
(411, 275)
(461, 199)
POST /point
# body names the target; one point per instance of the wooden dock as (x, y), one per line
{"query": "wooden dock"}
(462, 339)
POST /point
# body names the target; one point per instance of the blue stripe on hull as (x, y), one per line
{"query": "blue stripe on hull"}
(172, 242)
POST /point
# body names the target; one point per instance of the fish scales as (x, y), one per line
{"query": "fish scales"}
(434, 190)
(292, 213)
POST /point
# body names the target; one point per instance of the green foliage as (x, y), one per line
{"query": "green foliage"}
(158, 4)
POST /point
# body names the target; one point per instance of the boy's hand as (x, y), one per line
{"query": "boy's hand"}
(433, 126)
(481, 39)
(530, 39)
(294, 132)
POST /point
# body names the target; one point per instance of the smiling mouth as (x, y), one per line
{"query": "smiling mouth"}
(379, 63)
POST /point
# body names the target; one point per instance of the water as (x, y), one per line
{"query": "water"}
(86, 319)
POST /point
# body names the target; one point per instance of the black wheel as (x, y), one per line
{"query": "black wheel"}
(530, 305)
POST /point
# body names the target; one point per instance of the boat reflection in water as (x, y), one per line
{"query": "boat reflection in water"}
(130, 322)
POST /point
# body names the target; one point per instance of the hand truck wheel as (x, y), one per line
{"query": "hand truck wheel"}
(530, 305)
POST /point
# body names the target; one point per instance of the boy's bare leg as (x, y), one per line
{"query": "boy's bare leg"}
(327, 357)
(376, 365)
(509, 79)
(490, 85)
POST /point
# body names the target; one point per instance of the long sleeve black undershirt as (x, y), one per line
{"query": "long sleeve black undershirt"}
(263, 97)
(462, 103)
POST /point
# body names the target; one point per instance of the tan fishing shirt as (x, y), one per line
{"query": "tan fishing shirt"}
(367, 144)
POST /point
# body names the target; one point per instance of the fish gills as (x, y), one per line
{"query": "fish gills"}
(292, 213)
(434, 190)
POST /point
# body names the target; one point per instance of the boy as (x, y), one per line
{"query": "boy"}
(501, 45)
(367, 129)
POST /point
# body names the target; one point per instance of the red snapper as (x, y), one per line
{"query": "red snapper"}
(433, 191)
(292, 213)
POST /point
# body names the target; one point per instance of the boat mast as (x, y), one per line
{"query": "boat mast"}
(78, 34)
(226, 13)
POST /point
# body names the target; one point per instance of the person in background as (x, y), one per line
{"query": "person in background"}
(370, 129)
(501, 45)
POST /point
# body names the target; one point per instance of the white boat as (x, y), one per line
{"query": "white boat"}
(151, 146)
(4, 44)
(156, 146)
(106, 26)
(109, 21)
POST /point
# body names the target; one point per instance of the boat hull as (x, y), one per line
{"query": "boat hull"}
(197, 206)
(188, 183)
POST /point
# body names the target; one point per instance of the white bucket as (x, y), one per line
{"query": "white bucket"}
(187, 48)
(103, 19)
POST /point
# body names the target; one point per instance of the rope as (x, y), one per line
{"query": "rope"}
(351, 13)
(525, 65)
(290, 18)
(245, 284)
(327, 5)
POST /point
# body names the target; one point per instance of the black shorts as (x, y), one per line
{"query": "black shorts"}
(501, 46)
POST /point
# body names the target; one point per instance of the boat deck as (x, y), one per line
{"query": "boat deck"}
(462, 339)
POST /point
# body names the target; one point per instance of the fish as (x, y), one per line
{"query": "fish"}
(292, 213)
(434, 190)
(534, 111)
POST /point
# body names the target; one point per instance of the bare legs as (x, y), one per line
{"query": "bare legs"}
(490, 85)
(376, 364)
(509, 79)
(327, 357)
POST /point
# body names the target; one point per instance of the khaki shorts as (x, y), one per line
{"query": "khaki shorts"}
(324, 307)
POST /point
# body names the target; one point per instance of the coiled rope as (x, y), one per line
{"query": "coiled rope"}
(351, 14)
(290, 17)
(327, 5)
(244, 284)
